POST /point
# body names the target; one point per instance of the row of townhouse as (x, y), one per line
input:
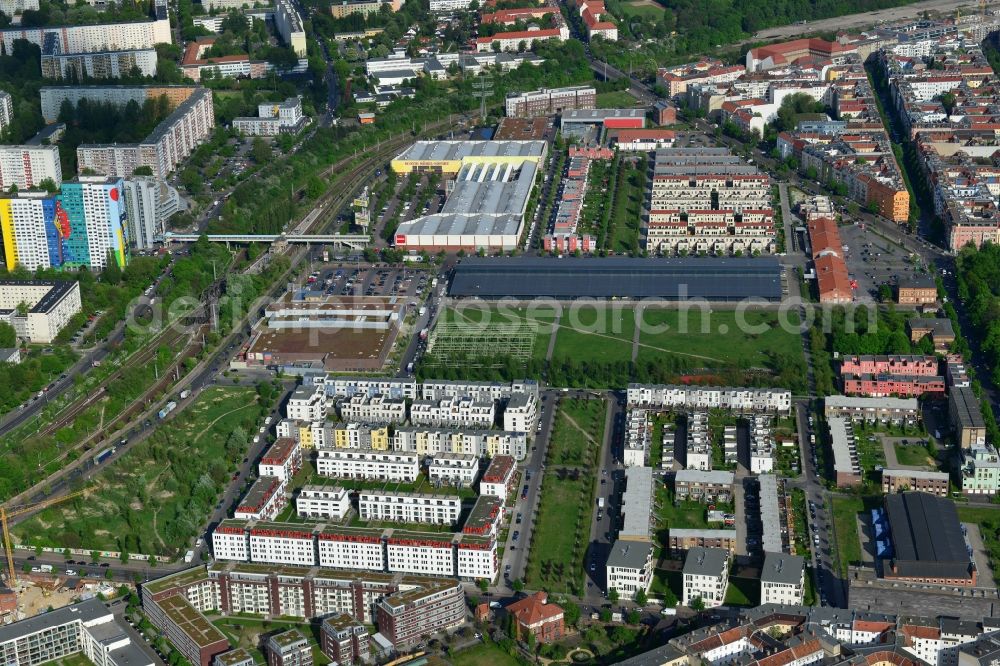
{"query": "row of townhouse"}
(404, 608)
(432, 389)
(668, 396)
(466, 556)
(409, 507)
(638, 434)
(718, 232)
(397, 466)
(454, 469)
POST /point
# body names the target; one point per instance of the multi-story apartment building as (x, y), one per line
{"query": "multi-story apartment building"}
(264, 500)
(288, 648)
(344, 640)
(376, 409)
(420, 553)
(273, 119)
(548, 101)
(409, 507)
(326, 501)
(706, 576)
(485, 517)
(980, 470)
(163, 150)
(483, 443)
(459, 469)
(282, 460)
(197, 639)
(349, 386)
(235, 657)
(630, 567)
(705, 71)
(782, 579)
(50, 306)
(512, 41)
(281, 543)
(965, 412)
(705, 486)
(307, 403)
(454, 412)
(883, 410)
(498, 479)
(718, 232)
(923, 366)
(350, 548)
(98, 37)
(27, 166)
(53, 97)
(898, 480)
(406, 617)
(6, 109)
(638, 431)
(368, 464)
(707, 397)
(88, 629)
(360, 436)
(96, 64)
(150, 203)
(520, 413)
(289, 24)
(698, 447)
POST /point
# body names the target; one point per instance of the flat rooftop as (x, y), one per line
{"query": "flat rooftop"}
(927, 536)
(202, 632)
(637, 503)
(449, 151)
(86, 611)
(721, 279)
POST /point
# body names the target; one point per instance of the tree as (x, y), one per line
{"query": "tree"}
(67, 555)
(517, 585)
(697, 604)
(95, 557)
(8, 338)
(260, 150)
(571, 613)
(112, 273)
(483, 584)
(143, 171)
(49, 185)
(613, 595)
(640, 597)
(633, 617)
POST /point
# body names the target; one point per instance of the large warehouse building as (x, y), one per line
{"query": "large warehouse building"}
(677, 279)
(928, 543)
(486, 205)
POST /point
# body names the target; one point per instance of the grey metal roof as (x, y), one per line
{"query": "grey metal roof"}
(705, 561)
(571, 277)
(458, 224)
(637, 502)
(854, 402)
(629, 554)
(719, 477)
(86, 611)
(457, 150)
(927, 536)
(770, 513)
(782, 568)
(664, 654)
(966, 407)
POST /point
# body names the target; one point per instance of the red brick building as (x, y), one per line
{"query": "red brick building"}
(887, 364)
(534, 616)
(883, 385)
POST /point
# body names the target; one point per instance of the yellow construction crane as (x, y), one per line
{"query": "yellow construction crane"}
(13, 512)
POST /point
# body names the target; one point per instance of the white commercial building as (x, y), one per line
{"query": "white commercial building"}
(782, 580)
(316, 501)
(38, 309)
(483, 443)
(100, 37)
(362, 464)
(28, 166)
(453, 412)
(706, 576)
(458, 469)
(409, 507)
(362, 408)
(630, 567)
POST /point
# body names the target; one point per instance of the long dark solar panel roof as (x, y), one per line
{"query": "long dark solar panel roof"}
(926, 535)
(582, 277)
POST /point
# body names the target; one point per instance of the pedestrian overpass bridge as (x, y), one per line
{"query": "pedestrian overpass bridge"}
(355, 241)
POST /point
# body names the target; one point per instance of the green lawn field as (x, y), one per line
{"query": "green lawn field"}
(603, 334)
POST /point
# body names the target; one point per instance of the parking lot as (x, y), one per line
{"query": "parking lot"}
(873, 261)
(346, 281)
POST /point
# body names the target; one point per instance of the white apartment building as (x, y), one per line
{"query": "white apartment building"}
(307, 403)
(362, 408)
(289, 24)
(6, 107)
(348, 387)
(322, 501)
(229, 541)
(782, 580)
(699, 443)
(520, 414)
(50, 306)
(150, 203)
(445, 6)
(272, 119)
(453, 412)
(28, 166)
(360, 436)
(409, 507)
(420, 552)
(458, 469)
(100, 37)
(638, 434)
(281, 460)
(706, 575)
(437, 389)
(498, 479)
(282, 543)
(264, 500)
(476, 558)
(98, 65)
(630, 567)
(483, 443)
(14, 7)
(367, 464)
(708, 397)
(350, 548)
